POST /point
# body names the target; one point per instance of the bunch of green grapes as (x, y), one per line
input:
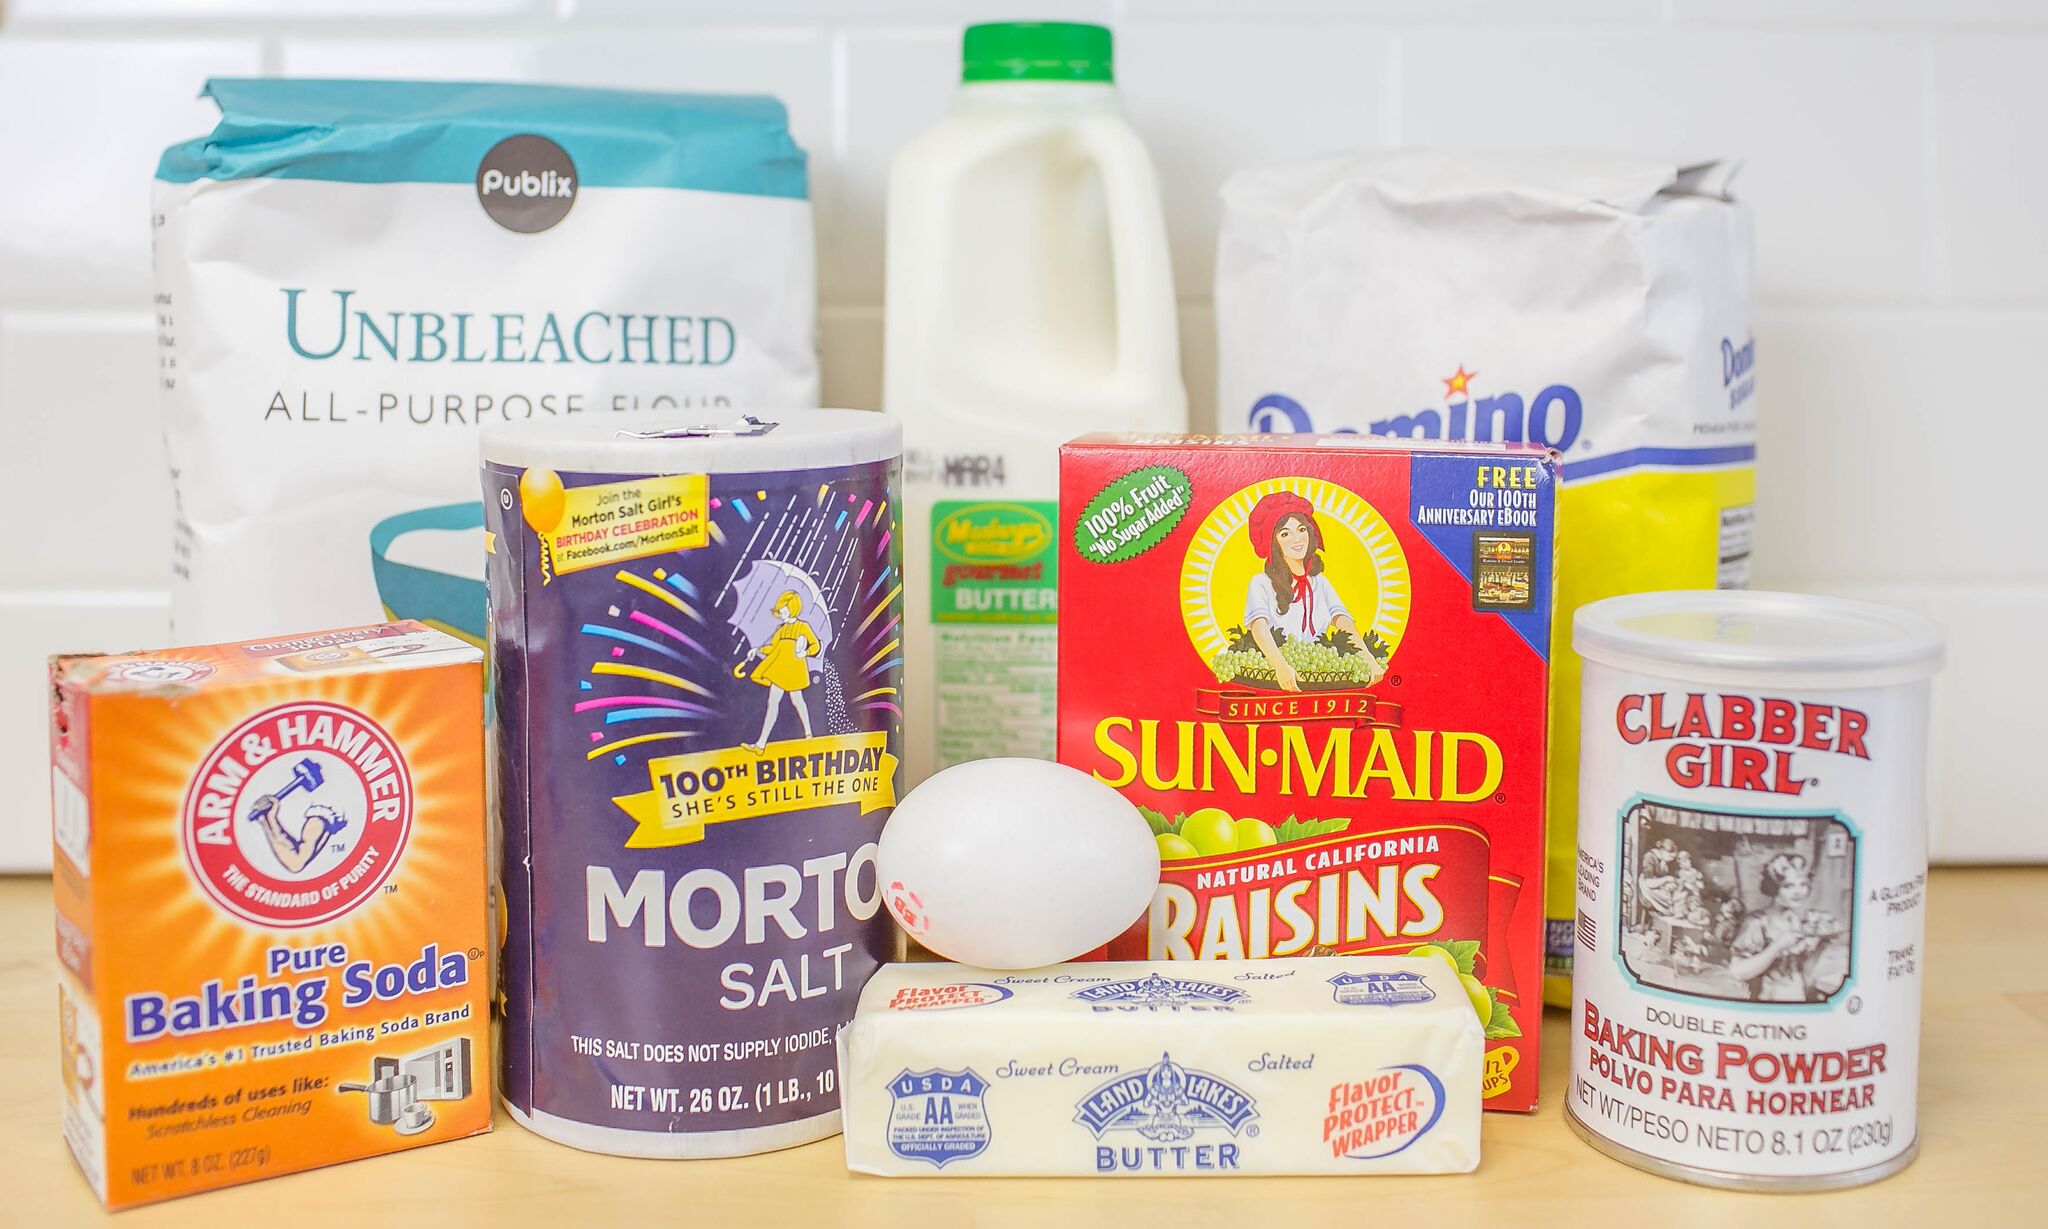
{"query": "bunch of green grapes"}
(1312, 660)
(1241, 663)
(1323, 662)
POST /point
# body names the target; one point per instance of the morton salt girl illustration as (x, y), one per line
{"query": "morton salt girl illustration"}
(1318, 666)
(696, 636)
(784, 664)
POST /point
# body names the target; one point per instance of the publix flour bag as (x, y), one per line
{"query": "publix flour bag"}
(354, 276)
(1597, 305)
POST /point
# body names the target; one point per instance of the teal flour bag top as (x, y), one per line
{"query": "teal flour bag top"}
(354, 277)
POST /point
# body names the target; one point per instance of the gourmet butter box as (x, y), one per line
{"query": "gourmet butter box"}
(1319, 665)
(271, 922)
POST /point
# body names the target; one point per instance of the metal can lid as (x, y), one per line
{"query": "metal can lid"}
(1741, 636)
(717, 441)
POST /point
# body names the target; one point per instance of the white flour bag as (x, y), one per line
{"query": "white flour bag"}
(1599, 305)
(353, 276)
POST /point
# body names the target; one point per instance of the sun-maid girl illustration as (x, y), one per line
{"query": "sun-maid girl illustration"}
(1298, 568)
(1293, 596)
(784, 667)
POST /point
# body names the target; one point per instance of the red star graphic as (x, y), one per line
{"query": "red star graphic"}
(1457, 384)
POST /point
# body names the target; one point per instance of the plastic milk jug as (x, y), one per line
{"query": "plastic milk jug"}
(1029, 301)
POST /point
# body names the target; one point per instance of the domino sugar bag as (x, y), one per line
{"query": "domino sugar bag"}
(1600, 305)
(353, 276)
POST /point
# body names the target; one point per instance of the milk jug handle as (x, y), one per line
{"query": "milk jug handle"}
(1147, 338)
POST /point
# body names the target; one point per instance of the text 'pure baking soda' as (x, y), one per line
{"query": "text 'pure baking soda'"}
(1318, 664)
(1751, 884)
(270, 905)
(696, 640)
(1030, 299)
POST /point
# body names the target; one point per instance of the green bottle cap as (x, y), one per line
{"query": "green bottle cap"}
(1036, 51)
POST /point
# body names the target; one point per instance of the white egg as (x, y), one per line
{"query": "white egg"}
(1013, 863)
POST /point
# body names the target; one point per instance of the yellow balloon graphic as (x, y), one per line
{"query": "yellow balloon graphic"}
(541, 499)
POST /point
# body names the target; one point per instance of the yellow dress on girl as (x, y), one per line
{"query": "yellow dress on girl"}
(785, 658)
(784, 668)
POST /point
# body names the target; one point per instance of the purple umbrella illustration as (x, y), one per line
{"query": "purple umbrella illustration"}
(779, 610)
(755, 598)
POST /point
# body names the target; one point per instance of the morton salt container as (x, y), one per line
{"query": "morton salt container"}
(1751, 875)
(695, 633)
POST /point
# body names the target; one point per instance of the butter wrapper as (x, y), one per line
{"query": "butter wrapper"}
(1330, 1065)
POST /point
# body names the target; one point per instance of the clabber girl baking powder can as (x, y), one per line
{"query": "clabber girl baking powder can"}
(1751, 884)
(696, 625)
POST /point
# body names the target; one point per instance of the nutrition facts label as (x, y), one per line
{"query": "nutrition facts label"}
(995, 688)
(1733, 572)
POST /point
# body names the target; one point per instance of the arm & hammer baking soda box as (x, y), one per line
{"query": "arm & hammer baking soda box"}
(271, 919)
(1319, 666)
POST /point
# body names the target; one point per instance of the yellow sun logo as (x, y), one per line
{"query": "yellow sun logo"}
(1362, 560)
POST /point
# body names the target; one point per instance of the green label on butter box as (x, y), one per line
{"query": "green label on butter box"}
(993, 561)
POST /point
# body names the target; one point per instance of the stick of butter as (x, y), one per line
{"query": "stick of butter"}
(1330, 1065)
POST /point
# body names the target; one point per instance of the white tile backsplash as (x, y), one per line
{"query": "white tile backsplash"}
(1991, 165)
(946, 13)
(37, 624)
(1214, 97)
(89, 117)
(1885, 441)
(794, 64)
(850, 354)
(1830, 126)
(1997, 669)
(1864, 12)
(1893, 152)
(1519, 11)
(1198, 364)
(893, 84)
(78, 397)
(30, 13)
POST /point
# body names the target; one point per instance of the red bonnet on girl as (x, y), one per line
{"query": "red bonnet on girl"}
(1270, 511)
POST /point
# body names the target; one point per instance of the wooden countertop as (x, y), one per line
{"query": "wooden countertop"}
(1983, 1127)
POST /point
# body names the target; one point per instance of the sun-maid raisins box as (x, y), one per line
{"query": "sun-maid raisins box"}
(1320, 665)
